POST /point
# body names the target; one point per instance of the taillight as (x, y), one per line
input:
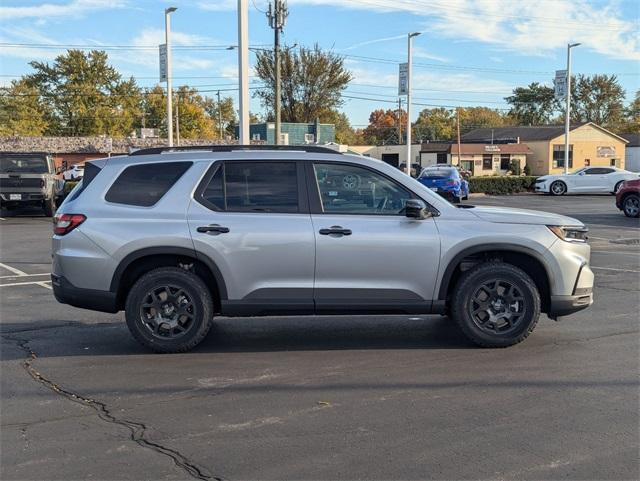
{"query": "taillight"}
(65, 223)
(452, 182)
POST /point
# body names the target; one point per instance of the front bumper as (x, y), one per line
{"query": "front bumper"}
(541, 187)
(565, 305)
(67, 293)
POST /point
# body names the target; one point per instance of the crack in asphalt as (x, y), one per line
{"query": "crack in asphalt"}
(138, 431)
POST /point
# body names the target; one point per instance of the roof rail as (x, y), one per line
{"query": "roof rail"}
(230, 148)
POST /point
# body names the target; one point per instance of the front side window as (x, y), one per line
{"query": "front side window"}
(145, 184)
(240, 186)
(349, 189)
(487, 162)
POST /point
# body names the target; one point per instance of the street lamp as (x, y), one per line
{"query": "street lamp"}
(409, 43)
(567, 114)
(167, 39)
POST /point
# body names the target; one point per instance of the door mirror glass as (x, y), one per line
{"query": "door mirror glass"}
(416, 209)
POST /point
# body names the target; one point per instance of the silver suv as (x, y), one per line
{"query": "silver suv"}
(177, 236)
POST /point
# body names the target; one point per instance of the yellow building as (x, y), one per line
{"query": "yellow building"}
(589, 145)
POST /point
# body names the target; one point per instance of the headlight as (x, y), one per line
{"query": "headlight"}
(570, 234)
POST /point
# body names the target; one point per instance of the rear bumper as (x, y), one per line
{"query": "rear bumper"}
(67, 293)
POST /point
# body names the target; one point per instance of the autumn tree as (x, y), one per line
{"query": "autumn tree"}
(632, 114)
(383, 126)
(598, 99)
(312, 81)
(345, 133)
(222, 111)
(480, 117)
(532, 105)
(22, 111)
(85, 95)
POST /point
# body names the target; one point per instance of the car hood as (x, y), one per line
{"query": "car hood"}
(504, 215)
(551, 177)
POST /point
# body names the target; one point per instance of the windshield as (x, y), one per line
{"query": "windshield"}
(578, 171)
(24, 165)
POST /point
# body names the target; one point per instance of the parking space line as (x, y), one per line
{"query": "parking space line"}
(36, 283)
(26, 275)
(13, 269)
(615, 269)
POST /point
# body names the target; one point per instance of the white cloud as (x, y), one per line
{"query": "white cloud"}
(419, 52)
(218, 5)
(45, 11)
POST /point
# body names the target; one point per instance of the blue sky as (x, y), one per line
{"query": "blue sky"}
(471, 52)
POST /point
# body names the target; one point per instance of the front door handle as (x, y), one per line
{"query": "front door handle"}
(335, 230)
(213, 229)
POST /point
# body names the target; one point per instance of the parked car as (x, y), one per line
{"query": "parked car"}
(29, 180)
(588, 180)
(415, 169)
(73, 173)
(628, 198)
(446, 181)
(177, 236)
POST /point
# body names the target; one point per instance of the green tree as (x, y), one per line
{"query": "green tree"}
(435, 124)
(532, 105)
(22, 111)
(312, 81)
(224, 110)
(86, 95)
(598, 99)
(479, 117)
(632, 116)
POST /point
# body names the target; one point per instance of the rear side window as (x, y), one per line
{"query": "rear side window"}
(90, 172)
(239, 186)
(144, 185)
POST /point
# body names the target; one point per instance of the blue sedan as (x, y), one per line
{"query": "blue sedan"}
(446, 181)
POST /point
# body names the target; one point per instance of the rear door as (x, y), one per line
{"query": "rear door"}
(251, 218)
(369, 256)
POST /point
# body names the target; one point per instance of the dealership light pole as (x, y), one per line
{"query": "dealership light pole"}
(409, 42)
(243, 70)
(167, 39)
(567, 113)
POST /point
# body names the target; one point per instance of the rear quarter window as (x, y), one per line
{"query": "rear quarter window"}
(145, 184)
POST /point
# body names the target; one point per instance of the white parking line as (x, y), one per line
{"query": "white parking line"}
(614, 269)
(26, 275)
(13, 269)
(37, 283)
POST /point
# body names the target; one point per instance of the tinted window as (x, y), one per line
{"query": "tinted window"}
(254, 186)
(23, 164)
(347, 189)
(145, 184)
(90, 173)
(599, 171)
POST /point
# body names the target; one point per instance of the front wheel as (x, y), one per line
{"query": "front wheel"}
(496, 304)
(558, 188)
(169, 310)
(631, 205)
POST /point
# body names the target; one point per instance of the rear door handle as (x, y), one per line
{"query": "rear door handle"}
(213, 229)
(335, 230)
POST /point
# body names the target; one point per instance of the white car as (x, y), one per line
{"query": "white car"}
(74, 173)
(588, 180)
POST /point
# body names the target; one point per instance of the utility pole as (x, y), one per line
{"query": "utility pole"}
(409, 42)
(567, 114)
(399, 120)
(219, 115)
(277, 18)
(243, 70)
(167, 39)
(458, 128)
(178, 121)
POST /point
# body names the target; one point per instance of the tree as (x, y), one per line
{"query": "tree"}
(479, 117)
(383, 127)
(312, 81)
(597, 99)
(86, 95)
(532, 105)
(22, 111)
(632, 114)
(345, 134)
(435, 124)
(226, 111)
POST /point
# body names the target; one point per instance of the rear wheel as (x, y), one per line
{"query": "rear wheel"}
(496, 304)
(169, 310)
(617, 187)
(631, 205)
(49, 207)
(558, 188)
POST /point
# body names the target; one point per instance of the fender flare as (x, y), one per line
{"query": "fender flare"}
(171, 250)
(453, 263)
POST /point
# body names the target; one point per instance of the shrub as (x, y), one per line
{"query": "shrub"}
(69, 185)
(527, 169)
(501, 185)
(514, 167)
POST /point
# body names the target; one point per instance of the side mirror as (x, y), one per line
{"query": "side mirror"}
(581, 173)
(416, 209)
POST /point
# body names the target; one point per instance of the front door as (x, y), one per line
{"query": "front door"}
(369, 256)
(251, 219)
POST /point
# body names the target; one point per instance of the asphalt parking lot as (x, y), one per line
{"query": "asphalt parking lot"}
(366, 397)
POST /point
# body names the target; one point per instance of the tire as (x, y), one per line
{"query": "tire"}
(558, 188)
(617, 187)
(479, 327)
(176, 331)
(49, 207)
(455, 200)
(631, 205)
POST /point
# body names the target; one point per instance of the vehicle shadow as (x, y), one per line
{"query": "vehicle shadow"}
(265, 334)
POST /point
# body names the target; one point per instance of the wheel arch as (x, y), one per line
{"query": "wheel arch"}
(526, 258)
(138, 262)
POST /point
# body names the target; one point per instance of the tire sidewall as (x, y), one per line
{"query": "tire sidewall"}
(558, 182)
(624, 204)
(468, 286)
(193, 287)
